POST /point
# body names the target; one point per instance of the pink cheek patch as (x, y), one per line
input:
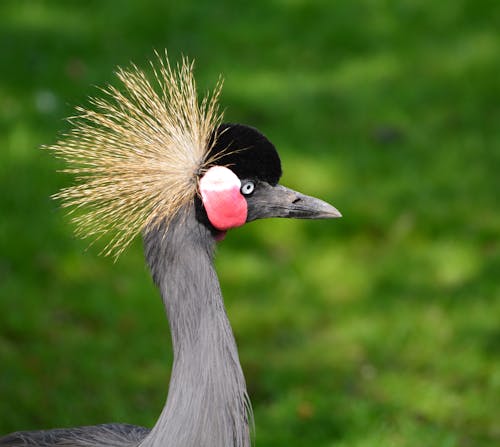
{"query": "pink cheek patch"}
(220, 192)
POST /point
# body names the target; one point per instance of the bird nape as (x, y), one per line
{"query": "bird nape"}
(152, 159)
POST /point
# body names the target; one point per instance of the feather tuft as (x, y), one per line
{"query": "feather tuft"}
(137, 153)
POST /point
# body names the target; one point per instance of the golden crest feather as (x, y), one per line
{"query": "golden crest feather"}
(137, 156)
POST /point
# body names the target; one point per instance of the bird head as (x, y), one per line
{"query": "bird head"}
(243, 185)
(144, 153)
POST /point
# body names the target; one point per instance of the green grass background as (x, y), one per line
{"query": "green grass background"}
(379, 329)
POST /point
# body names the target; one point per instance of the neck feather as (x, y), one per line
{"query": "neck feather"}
(207, 402)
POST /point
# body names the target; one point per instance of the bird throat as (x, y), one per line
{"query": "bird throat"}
(207, 403)
(220, 235)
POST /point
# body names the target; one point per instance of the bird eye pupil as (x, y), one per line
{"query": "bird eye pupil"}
(247, 188)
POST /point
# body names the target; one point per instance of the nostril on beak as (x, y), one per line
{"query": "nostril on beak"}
(296, 200)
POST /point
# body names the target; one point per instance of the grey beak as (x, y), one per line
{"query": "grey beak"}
(278, 201)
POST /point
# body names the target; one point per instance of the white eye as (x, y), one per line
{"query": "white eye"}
(247, 188)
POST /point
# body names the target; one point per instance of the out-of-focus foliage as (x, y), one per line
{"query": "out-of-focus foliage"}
(379, 329)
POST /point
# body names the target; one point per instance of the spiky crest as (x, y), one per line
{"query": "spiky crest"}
(138, 155)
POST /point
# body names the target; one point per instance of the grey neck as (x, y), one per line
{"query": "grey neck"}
(207, 402)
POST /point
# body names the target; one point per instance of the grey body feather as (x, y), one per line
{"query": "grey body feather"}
(105, 435)
(207, 404)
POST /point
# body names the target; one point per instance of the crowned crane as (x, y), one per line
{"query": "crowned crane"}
(151, 159)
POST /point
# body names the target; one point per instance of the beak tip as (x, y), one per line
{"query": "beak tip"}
(335, 213)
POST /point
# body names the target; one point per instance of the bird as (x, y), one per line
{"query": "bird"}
(150, 158)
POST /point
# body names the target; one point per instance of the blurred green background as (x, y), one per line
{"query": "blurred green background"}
(379, 329)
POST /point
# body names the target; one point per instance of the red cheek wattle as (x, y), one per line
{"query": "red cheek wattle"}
(224, 204)
(225, 209)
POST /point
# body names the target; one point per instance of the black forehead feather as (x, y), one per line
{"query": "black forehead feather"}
(249, 153)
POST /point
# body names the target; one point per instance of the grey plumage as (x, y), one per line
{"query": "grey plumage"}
(104, 435)
(207, 402)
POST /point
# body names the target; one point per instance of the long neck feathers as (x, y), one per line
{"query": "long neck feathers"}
(207, 403)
